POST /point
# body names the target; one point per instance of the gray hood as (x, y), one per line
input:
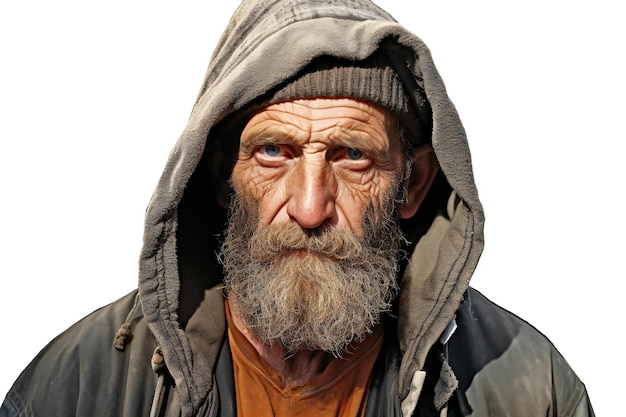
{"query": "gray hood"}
(179, 273)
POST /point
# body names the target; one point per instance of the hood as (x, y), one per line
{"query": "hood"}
(264, 45)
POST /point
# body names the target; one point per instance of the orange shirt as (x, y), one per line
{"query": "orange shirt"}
(339, 390)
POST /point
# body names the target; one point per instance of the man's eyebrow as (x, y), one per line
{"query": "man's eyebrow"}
(340, 138)
(347, 140)
(264, 138)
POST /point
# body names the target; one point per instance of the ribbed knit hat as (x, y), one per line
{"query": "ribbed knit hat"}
(373, 80)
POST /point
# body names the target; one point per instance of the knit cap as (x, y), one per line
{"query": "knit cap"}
(373, 80)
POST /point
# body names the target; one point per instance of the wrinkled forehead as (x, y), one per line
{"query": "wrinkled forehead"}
(225, 139)
(322, 123)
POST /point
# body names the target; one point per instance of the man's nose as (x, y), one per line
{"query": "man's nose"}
(312, 190)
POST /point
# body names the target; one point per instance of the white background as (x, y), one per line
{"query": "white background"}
(93, 95)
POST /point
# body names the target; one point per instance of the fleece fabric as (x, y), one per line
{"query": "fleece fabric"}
(490, 365)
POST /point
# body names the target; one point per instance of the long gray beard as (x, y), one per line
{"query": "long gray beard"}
(317, 290)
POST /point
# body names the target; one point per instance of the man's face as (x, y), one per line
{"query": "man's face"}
(311, 248)
(316, 162)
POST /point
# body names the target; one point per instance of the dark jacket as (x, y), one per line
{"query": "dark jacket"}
(448, 350)
(502, 365)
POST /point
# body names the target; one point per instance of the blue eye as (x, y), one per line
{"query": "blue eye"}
(272, 150)
(354, 154)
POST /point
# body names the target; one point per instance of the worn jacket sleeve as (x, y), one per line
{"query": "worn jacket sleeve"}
(570, 395)
(507, 367)
(80, 373)
(7, 409)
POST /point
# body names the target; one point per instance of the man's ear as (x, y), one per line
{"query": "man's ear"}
(423, 171)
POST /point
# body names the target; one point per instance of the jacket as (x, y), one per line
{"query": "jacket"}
(449, 350)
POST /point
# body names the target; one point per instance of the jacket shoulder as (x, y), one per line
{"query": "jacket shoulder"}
(80, 372)
(505, 366)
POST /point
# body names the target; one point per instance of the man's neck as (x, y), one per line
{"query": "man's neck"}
(294, 369)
